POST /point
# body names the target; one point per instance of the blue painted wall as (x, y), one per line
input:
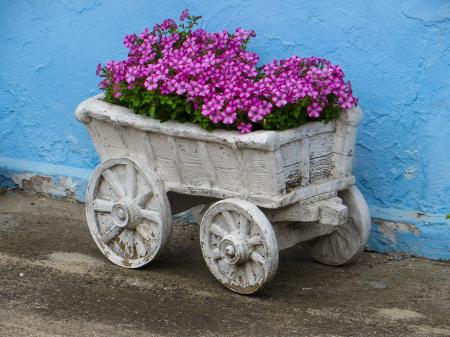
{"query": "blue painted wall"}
(396, 53)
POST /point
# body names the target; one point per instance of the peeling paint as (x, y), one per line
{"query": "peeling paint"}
(389, 229)
(409, 173)
(29, 182)
(410, 232)
(54, 180)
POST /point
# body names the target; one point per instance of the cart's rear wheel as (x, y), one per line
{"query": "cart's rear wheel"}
(239, 245)
(347, 243)
(127, 212)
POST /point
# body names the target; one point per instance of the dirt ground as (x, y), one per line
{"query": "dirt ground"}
(54, 282)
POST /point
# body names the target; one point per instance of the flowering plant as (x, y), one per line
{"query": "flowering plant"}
(177, 72)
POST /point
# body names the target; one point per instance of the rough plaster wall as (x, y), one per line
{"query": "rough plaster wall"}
(397, 55)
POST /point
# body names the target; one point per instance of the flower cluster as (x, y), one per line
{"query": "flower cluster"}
(220, 78)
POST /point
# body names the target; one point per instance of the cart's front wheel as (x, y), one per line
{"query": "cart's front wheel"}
(127, 212)
(347, 243)
(239, 245)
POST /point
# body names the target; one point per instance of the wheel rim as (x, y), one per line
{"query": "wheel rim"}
(128, 213)
(239, 245)
(346, 244)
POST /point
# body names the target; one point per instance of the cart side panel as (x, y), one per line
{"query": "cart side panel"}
(223, 167)
(325, 153)
(307, 160)
(295, 162)
(261, 173)
(321, 149)
(321, 145)
(107, 140)
(344, 142)
(193, 165)
(320, 168)
(190, 165)
(161, 157)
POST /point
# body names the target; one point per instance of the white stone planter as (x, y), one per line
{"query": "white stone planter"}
(278, 189)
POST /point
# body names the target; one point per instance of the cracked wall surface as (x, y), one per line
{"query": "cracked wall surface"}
(397, 55)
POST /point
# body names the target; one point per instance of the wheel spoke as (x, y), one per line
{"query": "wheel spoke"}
(228, 269)
(141, 248)
(144, 197)
(217, 230)
(244, 225)
(233, 271)
(116, 248)
(145, 231)
(346, 238)
(111, 179)
(242, 274)
(250, 276)
(255, 241)
(111, 233)
(230, 220)
(332, 245)
(344, 244)
(150, 215)
(131, 180)
(127, 238)
(102, 205)
(257, 257)
(215, 254)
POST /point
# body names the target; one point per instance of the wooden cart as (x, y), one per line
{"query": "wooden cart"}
(253, 194)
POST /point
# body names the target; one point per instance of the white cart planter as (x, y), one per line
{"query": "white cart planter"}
(256, 194)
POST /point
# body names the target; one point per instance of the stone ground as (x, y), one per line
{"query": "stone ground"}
(54, 282)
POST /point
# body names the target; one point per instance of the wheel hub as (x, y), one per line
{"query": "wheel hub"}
(234, 250)
(121, 215)
(230, 251)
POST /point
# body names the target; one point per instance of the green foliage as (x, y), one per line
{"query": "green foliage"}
(154, 104)
(331, 111)
(294, 115)
(159, 106)
(286, 117)
(175, 107)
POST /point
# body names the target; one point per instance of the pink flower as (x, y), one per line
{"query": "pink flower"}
(314, 110)
(184, 14)
(244, 127)
(156, 28)
(151, 83)
(168, 24)
(129, 40)
(229, 118)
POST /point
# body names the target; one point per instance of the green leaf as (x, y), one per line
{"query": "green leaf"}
(152, 111)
